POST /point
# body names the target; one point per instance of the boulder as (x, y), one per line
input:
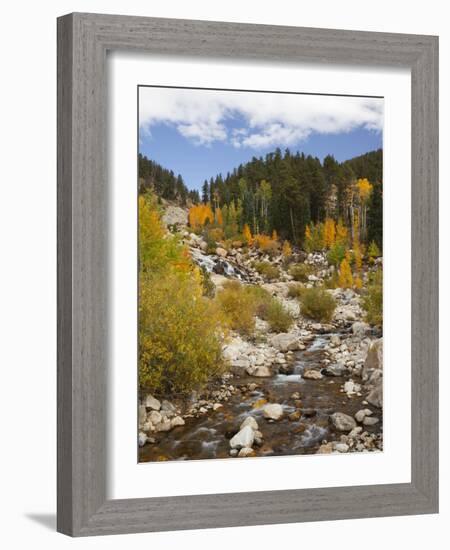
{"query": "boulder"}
(335, 340)
(370, 420)
(177, 421)
(221, 252)
(341, 447)
(375, 397)
(260, 372)
(343, 422)
(361, 414)
(168, 408)
(285, 341)
(152, 403)
(164, 426)
(142, 414)
(244, 438)
(155, 417)
(338, 369)
(249, 421)
(246, 451)
(359, 328)
(312, 374)
(273, 411)
(374, 359)
(238, 366)
(325, 449)
(142, 439)
(350, 388)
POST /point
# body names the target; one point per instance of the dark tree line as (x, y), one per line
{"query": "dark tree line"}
(164, 182)
(282, 191)
(286, 191)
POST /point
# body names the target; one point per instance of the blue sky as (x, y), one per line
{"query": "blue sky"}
(200, 133)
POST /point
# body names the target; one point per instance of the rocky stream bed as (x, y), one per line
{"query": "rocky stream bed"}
(316, 389)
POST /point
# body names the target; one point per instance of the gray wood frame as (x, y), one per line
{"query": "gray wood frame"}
(83, 40)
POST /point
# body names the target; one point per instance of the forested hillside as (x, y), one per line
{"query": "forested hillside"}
(285, 192)
(261, 310)
(152, 176)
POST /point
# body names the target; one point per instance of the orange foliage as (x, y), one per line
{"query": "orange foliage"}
(200, 215)
(329, 232)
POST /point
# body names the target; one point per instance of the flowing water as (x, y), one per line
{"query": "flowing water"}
(208, 436)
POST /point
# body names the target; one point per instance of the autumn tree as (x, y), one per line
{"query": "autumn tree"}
(345, 274)
(247, 234)
(286, 250)
(329, 232)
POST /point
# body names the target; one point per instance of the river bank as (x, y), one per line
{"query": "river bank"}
(315, 389)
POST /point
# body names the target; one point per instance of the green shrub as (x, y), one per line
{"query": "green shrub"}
(267, 270)
(279, 319)
(300, 272)
(373, 300)
(317, 303)
(332, 281)
(239, 307)
(295, 290)
(336, 254)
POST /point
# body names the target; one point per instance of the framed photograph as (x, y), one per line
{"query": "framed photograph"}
(247, 274)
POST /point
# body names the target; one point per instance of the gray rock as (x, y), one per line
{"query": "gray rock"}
(374, 359)
(343, 422)
(335, 340)
(152, 403)
(238, 366)
(312, 374)
(273, 411)
(359, 328)
(370, 420)
(142, 414)
(164, 426)
(221, 252)
(361, 414)
(249, 421)
(177, 421)
(260, 372)
(285, 341)
(168, 407)
(246, 451)
(244, 438)
(375, 397)
(142, 439)
(341, 447)
(155, 417)
(338, 369)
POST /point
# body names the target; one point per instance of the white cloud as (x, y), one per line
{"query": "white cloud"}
(270, 119)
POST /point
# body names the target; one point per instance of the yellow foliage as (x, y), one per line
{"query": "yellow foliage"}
(247, 234)
(286, 250)
(357, 256)
(158, 251)
(180, 330)
(341, 233)
(329, 232)
(265, 243)
(180, 345)
(364, 189)
(200, 215)
(345, 275)
(358, 282)
(274, 235)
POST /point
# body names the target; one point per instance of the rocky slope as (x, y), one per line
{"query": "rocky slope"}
(315, 389)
